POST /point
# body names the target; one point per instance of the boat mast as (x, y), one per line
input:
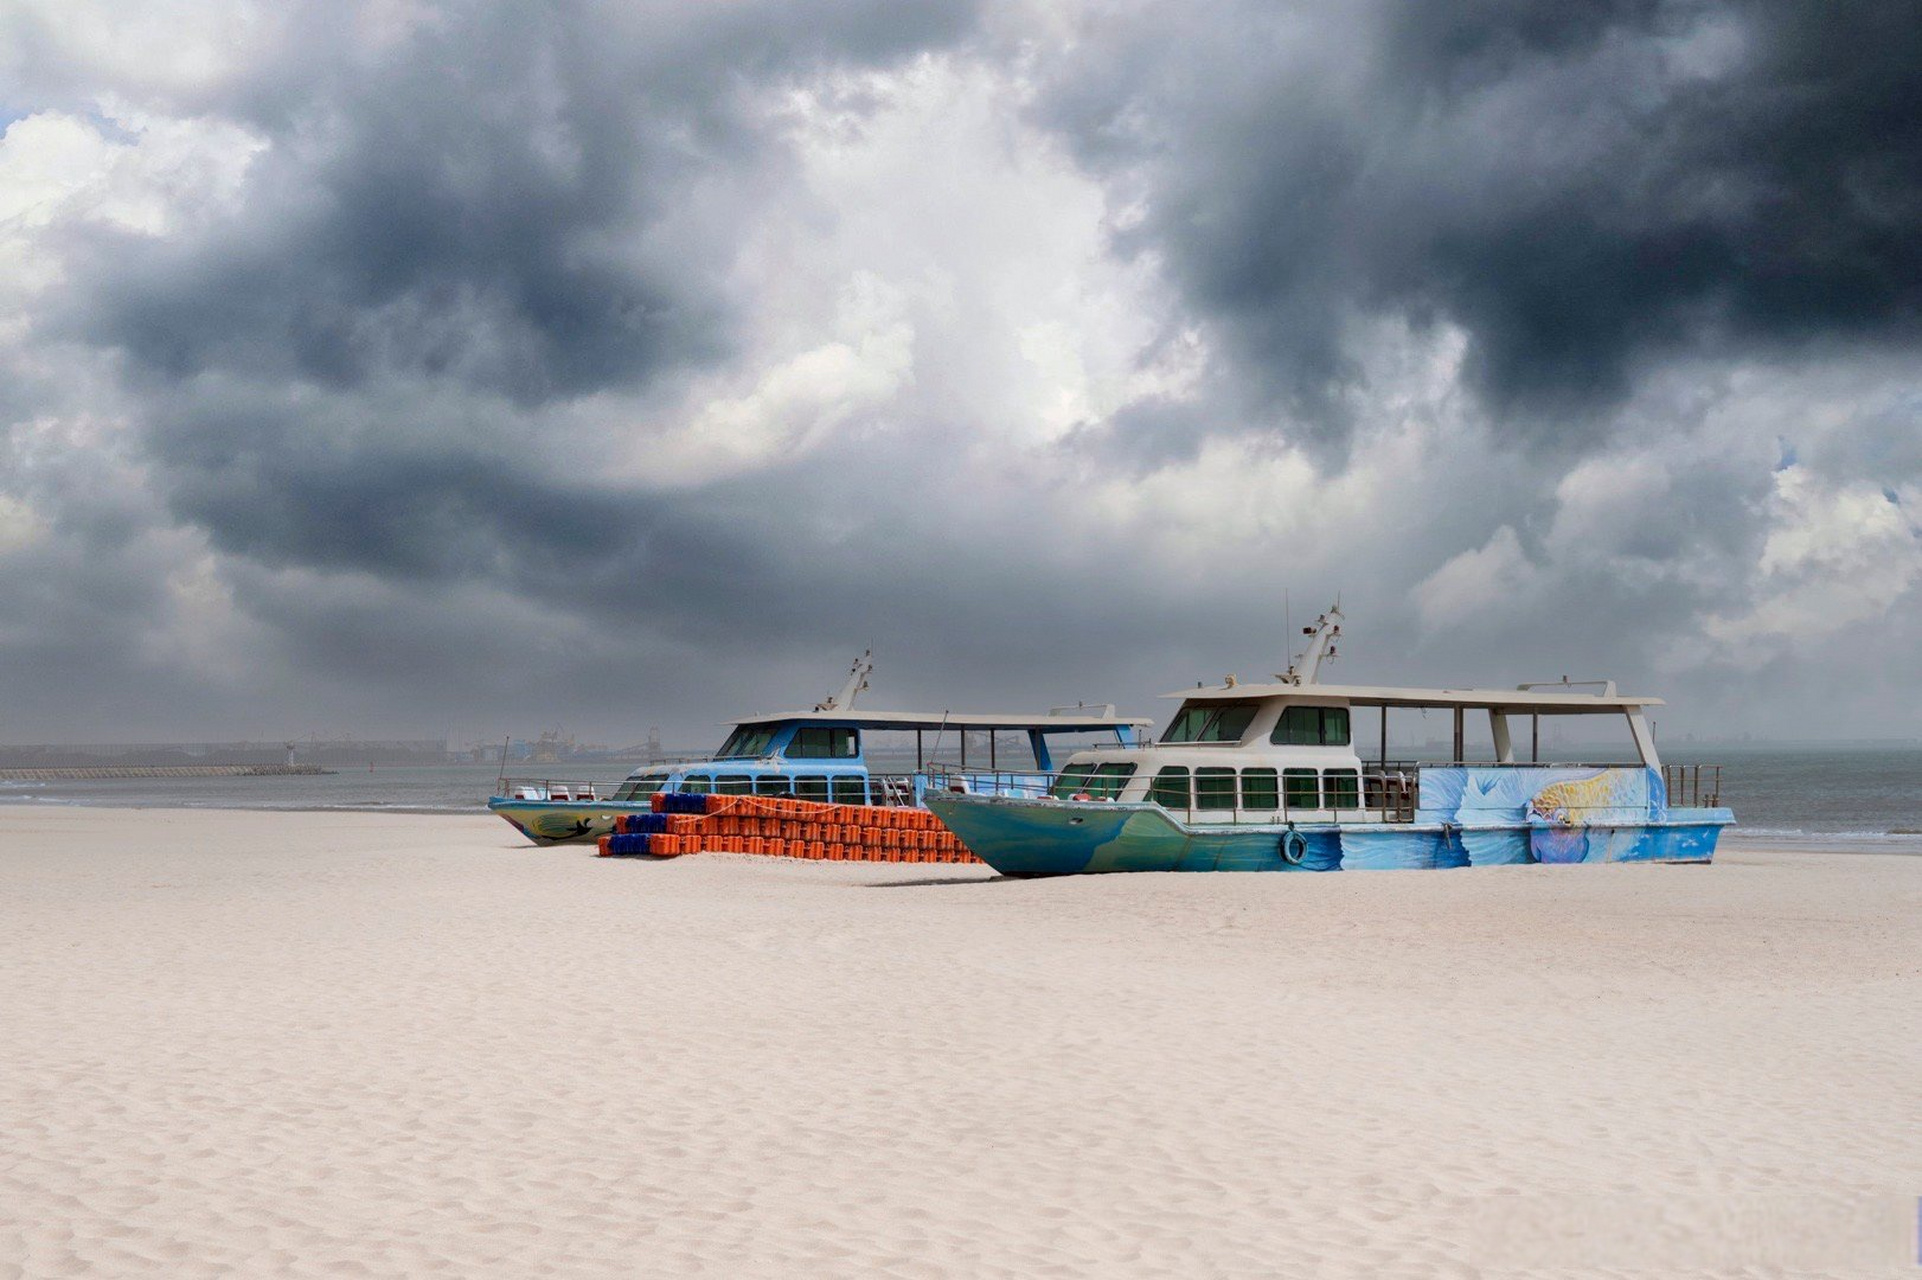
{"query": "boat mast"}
(1327, 629)
(857, 681)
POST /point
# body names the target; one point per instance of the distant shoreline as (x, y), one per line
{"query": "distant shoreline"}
(83, 773)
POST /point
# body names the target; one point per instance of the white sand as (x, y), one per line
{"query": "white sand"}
(385, 1045)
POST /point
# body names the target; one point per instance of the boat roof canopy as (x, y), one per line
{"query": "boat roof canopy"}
(1562, 701)
(1069, 720)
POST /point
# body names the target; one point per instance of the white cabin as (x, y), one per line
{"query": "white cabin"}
(1302, 749)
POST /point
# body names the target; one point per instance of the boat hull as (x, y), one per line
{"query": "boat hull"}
(1026, 837)
(561, 821)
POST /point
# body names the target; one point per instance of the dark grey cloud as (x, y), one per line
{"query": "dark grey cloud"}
(503, 201)
(513, 208)
(333, 452)
(1583, 188)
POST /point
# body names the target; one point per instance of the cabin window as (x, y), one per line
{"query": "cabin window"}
(698, 783)
(1311, 727)
(1302, 787)
(1343, 788)
(1334, 726)
(638, 788)
(822, 742)
(1109, 779)
(1259, 789)
(814, 787)
(770, 784)
(1072, 782)
(848, 789)
(1096, 781)
(746, 742)
(1210, 722)
(733, 784)
(1170, 789)
(1214, 788)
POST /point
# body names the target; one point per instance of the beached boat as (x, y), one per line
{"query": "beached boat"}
(1271, 778)
(833, 754)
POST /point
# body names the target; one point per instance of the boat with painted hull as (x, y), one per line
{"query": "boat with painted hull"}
(828, 755)
(1268, 778)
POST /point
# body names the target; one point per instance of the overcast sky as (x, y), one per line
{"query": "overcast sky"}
(403, 368)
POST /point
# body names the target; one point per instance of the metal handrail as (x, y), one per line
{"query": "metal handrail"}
(1518, 764)
(505, 786)
(1397, 793)
(1384, 794)
(1438, 762)
(1701, 784)
(879, 789)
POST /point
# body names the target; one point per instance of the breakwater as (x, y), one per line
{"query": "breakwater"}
(85, 772)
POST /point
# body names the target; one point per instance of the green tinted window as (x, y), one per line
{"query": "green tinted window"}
(746, 740)
(1259, 789)
(1187, 723)
(1301, 788)
(1230, 722)
(733, 784)
(1334, 726)
(822, 742)
(1298, 727)
(848, 790)
(1311, 727)
(1170, 789)
(1073, 781)
(638, 788)
(813, 788)
(770, 784)
(1096, 781)
(1343, 789)
(1214, 788)
(1210, 722)
(698, 783)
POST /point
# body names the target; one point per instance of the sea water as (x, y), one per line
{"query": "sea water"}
(456, 788)
(1859, 794)
(1847, 797)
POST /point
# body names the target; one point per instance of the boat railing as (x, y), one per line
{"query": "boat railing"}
(1383, 796)
(1388, 791)
(1693, 786)
(568, 789)
(886, 790)
(1517, 764)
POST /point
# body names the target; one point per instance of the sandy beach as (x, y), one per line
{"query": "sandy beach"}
(350, 1044)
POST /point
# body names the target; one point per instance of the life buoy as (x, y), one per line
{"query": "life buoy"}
(1294, 846)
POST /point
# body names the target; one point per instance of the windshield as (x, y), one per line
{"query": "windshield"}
(1092, 781)
(823, 742)
(1210, 722)
(748, 741)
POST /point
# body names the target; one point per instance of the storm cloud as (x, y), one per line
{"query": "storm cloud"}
(1583, 189)
(397, 368)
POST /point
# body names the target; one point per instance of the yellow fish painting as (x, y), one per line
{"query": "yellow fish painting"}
(1571, 803)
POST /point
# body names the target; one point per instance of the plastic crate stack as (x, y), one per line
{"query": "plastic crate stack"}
(633, 835)
(778, 827)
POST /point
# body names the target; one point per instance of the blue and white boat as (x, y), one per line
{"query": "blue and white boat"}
(833, 754)
(1270, 777)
